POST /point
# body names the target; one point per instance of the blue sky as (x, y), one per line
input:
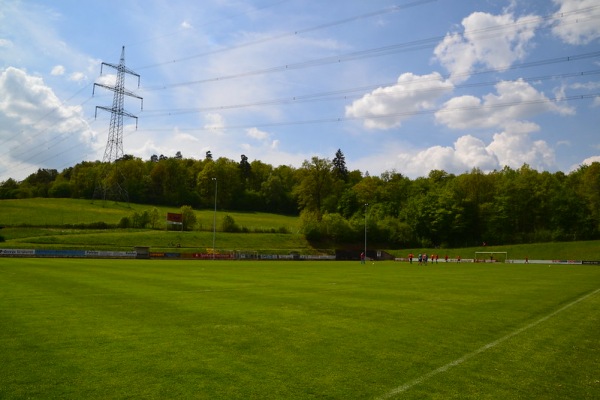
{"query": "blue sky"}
(403, 85)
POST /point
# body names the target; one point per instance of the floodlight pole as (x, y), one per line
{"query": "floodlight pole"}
(215, 218)
(366, 205)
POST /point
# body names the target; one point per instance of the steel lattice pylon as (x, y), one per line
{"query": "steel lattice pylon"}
(110, 182)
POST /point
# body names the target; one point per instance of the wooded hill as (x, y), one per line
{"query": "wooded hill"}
(502, 207)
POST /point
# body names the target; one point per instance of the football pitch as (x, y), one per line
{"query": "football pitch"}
(79, 328)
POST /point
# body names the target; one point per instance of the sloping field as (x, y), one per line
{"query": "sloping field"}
(42, 212)
(93, 329)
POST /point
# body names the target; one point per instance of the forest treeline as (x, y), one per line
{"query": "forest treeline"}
(335, 204)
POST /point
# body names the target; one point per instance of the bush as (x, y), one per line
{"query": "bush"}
(60, 190)
(189, 218)
(140, 220)
(229, 225)
(124, 223)
(310, 225)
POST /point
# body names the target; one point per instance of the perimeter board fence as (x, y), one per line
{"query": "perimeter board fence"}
(233, 255)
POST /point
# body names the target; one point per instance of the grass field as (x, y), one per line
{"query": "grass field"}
(43, 212)
(45, 221)
(74, 329)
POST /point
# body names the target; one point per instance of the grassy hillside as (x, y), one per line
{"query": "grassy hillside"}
(40, 223)
(41, 212)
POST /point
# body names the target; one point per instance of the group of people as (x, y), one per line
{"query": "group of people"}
(424, 258)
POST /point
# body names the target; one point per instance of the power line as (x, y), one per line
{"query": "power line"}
(383, 116)
(295, 33)
(154, 38)
(364, 54)
(327, 95)
(483, 33)
(389, 115)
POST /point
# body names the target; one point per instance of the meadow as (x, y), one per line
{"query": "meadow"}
(48, 224)
(52, 224)
(79, 328)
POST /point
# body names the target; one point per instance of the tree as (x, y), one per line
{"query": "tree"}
(315, 184)
(40, 181)
(9, 189)
(339, 166)
(154, 217)
(277, 190)
(209, 155)
(245, 170)
(60, 189)
(188, 217)
(229, 225)
(336, 228)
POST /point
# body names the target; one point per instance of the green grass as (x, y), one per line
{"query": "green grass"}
(272, 243)
(45, 221)
(75, 329)
(43, 212)
(583, 250)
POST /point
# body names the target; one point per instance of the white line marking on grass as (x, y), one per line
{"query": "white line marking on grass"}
(444, 368)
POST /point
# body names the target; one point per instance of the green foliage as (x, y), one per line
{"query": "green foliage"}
(507, 206)
(60, 189)
(228, 224)
(189, 218)
(140, 219)
(124, 223)
(310, 225)
(337, 228)
(314, 185)
(154, 217)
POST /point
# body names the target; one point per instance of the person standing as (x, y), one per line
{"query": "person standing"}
(362, 257)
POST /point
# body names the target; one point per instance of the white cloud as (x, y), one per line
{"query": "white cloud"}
(36, 128)
(186, 25)
(77, 77)
(411, 94)
(585, 85)
(515, 148)
(467, 153)
(186, 137)
(257, 134)
(5, 43)
(107, 79)
(514, 100)
(587, 161)
(494, 41)
(577, 22)
(214, 121)
(58, 70)
(590, 160)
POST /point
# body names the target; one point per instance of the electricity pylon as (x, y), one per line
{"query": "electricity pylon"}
(109, 183)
